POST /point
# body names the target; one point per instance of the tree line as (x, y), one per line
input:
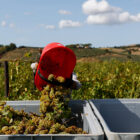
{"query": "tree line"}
(6, 48)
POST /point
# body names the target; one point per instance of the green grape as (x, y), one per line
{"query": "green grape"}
(53, 110)
(51, 77)
(44, 132)
(4, 129)
(60, 79)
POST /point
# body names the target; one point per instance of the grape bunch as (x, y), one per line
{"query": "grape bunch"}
(53, 119)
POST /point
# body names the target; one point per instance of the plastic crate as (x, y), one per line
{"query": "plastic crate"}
(83, 111)
(120, 118)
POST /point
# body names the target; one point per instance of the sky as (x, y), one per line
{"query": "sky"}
(103, 23)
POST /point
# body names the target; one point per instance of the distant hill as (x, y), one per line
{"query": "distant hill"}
(123, 53)
(6, 48)
(25, 53)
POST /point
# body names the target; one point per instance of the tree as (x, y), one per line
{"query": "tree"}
(12, 46)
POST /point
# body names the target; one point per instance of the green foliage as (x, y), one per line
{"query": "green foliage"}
(21, 81)
(108, 79)
(104, 79)
(27, 54)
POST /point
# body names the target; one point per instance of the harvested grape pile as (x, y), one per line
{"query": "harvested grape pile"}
(54, 118)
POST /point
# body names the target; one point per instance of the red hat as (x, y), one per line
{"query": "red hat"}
(55, 59)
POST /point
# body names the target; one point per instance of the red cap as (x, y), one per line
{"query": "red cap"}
(55, 59)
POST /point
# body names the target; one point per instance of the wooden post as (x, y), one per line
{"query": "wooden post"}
(34, 79)
(6, 78)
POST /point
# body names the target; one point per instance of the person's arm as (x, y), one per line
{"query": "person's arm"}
(34, 66)
(76, 83)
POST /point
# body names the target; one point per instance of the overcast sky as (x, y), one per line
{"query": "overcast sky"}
(100, 22)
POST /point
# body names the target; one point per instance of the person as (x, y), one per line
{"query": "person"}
(58, 60)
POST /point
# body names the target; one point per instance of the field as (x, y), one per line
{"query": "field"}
(100, 79)
(124, 53)
(108, 79)
(104, 72)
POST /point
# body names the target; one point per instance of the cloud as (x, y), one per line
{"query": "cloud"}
(50, 27)
(3, 23)
(100, 12)
(11, 25)
(64, 12)
(95, 7)
(27, 13)
(69, 23)
(7, 16)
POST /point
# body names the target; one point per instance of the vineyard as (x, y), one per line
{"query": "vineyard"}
(102, 79)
